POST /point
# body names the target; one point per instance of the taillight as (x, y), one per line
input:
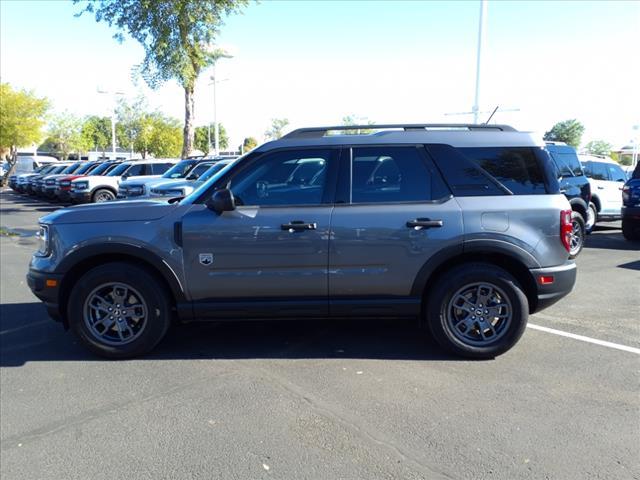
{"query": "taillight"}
(565, 229)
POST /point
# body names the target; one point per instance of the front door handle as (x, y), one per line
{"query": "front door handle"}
(298, 226)
(420, 223)
(600, 188)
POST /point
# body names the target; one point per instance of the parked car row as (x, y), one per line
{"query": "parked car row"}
(101, 181)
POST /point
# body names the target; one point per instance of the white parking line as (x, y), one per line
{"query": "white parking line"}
(582, 338)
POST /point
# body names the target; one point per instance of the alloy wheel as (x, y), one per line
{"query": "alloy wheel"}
(115, 313)
(479, 314)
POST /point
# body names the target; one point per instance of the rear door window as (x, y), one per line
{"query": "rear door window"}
(160, 168)
(136, 169)
(599, 171)
(389, 175)
(514, 167)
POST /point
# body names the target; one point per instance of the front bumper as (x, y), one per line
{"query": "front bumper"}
(564, 279)
(80, 197)
(46, 286)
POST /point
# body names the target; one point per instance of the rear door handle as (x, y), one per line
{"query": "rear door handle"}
(420, 223)
(600, 188)
(298, 226)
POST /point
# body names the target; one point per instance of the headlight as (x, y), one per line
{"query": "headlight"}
(174, 192)
(65, 183)
(43, 241)
(81, 185)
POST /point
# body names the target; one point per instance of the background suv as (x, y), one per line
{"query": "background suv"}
(102, 188)
(607, 179)
(576, 187)
(631, 206)
(461, 226)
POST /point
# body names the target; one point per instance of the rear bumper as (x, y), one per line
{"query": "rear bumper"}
(631, 213)
(49, 295)
(564, 279)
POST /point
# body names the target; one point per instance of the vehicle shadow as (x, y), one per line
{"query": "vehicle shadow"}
(28, 335)
(610, 239)
(631, 265)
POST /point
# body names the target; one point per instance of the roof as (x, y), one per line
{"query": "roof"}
(457, 135)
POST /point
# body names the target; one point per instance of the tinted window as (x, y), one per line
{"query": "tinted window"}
(198, 170)
(71, 168)
(389, 175)
(136, 169)
(117, 171)
(160, 168)
(85, 167)
(598, 171)
(180, 169)
(515, 168)
(212, 170)
(616, 174)
(567, 163)
(283, 178)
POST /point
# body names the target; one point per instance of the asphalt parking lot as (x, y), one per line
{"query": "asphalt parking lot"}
(318, 400)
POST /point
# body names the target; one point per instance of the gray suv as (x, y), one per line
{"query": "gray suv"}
(461, 226)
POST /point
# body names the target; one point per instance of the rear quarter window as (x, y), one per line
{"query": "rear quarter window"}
(516, 168)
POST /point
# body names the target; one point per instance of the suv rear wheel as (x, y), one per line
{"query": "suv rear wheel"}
(477, 310)
(592, 217)
(578, 235)
(117, 314)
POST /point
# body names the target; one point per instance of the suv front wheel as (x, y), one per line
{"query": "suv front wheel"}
(477, 310)
(119, 310)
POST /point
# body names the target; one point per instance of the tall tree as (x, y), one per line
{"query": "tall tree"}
(65, 133)
(22, 116)
(202, 138)
(274, 132)
(177, 36)
(96, 132)
(598, 147)
(353, 120)
(568, 131)
(248, 144)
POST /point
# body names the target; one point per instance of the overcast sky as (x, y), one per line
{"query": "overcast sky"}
(316, 62)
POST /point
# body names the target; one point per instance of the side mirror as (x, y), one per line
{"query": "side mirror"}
(221, 201)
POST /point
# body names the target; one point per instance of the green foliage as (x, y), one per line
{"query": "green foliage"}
(201, 141)
(249, 144)
(65, 134)
(177, 37)
(568, 131)
(353, 120)
(275, 130)
(598, 147)
(22, 116)
(96, 133)
(164, 136)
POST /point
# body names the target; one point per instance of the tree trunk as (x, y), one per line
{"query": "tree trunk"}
(189, 132)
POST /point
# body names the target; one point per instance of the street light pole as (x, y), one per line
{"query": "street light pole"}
(216, 129)
(481, 28)
(113, 119)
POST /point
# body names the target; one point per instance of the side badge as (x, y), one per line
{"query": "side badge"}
(206, 259)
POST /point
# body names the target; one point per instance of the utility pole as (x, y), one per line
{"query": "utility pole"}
(113, 118)
(216, 127)
(481, 29)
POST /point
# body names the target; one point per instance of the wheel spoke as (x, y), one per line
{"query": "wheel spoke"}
(483, 299)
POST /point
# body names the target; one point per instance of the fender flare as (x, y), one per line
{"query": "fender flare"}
(95, 251)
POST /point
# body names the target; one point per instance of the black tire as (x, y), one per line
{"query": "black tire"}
(631, 230)
(468, 274)
(154, 296)
(103, 195)
(592, 211)
(579, 234)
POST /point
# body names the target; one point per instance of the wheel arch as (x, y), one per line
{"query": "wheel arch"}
(580, 206)
(596, 201)
(104, 187)
(84, 259)
(516, 264)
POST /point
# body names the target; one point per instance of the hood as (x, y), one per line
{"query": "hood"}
(141, 180)
(126, 211)
(178, 183)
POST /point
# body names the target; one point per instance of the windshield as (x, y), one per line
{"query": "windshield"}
(212, 179)
(213, 169)
(197, 171)
(180, 169)
(58, 169)
(101, 168)
(70, 168)
(84, 168)
(116, 172)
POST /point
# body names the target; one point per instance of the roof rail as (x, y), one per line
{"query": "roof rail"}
(316, 132)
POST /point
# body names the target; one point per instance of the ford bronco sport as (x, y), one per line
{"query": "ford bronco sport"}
(461, 226)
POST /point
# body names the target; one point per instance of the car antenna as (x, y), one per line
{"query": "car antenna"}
(492, 114)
